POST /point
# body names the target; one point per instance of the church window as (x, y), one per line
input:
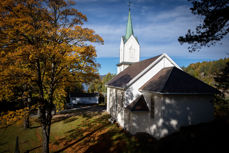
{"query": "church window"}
(132, 52)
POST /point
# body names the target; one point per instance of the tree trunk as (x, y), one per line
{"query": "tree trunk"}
(46, 135)
(26, 118)
(45, 119)
(26, 121)
(17, 150)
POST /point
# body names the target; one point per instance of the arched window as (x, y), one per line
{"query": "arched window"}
(132, 52)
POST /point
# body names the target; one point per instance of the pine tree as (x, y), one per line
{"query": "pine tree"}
(215, 24)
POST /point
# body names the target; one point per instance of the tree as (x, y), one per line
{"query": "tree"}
(222, 79)
(98, 85)
(95, 86)
(207, 70)
(43, 44)
(214, 27)
(105, 79)
(20, 92)
(222, 83)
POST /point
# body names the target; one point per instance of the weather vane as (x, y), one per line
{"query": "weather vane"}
(129, 3)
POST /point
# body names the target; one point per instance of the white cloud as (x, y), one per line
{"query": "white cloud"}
(157, 33)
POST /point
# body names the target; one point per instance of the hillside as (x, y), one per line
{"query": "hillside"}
(206, 71)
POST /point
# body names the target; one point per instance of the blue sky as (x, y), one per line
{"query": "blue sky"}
(157, 25)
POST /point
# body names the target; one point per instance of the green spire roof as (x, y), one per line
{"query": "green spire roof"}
(129, 28)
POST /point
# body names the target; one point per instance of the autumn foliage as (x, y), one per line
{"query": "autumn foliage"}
(11, 117)
(43, 50)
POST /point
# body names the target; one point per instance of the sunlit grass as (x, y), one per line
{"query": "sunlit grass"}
(89, 131)
(67, 130)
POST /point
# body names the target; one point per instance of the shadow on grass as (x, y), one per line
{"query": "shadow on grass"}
(3, 143)
(84, 112)
(86, 127)
(84, 130)
(105, 144)
(206, 137)
(5, 151)
(27, 151)
(61, 118)
(117, 140)
(34, 127)
(89, 134)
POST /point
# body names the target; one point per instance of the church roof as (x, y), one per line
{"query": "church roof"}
(125, 63)
(130, 72)
(174, 80)
(129, 28)
(138, 104)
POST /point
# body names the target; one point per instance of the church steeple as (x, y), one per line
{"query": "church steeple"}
(129, 27)
(129, 47)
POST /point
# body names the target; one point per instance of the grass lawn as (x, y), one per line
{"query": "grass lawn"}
(77, 131)
(88, 131)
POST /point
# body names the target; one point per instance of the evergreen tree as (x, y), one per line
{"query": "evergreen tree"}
(214, 27)
(222, 79)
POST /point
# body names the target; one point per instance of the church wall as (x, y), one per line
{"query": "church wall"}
(111, 107)
(118, 69)
(138, 121)
(108, 99)
(133, 91)
(142, 121)
(115, 98)
(121, 50)
(120, 110)
(170, 113)
(184, 110)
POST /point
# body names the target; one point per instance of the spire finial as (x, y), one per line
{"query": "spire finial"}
(129, 28)
(129, 3)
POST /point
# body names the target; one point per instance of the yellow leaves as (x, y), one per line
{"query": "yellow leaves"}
(85, 35)
(11, 117)
(59, 97)
(32, 43)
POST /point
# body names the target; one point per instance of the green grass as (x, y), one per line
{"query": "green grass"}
(88, 131)
(66, 130)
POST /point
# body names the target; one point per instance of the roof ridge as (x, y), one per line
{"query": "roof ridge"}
(172, 68)
(151, 57)
(141, 62)
(131, 72)
(172, 80)
(148, 59)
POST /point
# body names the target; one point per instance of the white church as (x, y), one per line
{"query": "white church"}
(154, 95)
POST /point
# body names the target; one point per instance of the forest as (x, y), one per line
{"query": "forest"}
(207, 70)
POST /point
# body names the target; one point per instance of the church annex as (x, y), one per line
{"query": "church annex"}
(154, 95)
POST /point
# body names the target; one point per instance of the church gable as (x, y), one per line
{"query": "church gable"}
(155, 66)
(131, 50)
(139, 104)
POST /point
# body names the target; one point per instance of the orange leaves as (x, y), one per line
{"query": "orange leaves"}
(44, 46)
(85, 34)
